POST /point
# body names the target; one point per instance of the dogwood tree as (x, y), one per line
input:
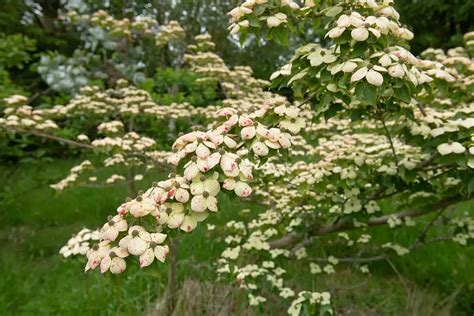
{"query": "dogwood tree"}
(375, 137)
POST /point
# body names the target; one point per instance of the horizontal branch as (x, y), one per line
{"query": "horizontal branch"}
(58, 139)
(347, 223)
(382, 256)
(159, 164)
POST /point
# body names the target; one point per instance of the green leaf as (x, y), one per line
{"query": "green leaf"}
(333, 11)
(356, 114)
(403, 94)
(259, 9)
(253, 22)
(359, 49)
(332, 110)
(366, 93)
(326, 99)
(280, 34)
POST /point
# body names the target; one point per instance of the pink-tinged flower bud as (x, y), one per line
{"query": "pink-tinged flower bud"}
(189, 224)
(260, 149)
(199, 203)
(161, 252)
(147, 258)
(105, 264)
(181, 195)
(117, 265)
(245, 121)
(248, 132)
(229, 184)
(242, 189)
(175, 220)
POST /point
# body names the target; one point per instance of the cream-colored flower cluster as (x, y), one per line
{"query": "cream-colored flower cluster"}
(239, 15)
(73, 176)
(213, 160)
(18, 115)
(237, 83)
(119, 27)
(361, 28)
(170, 32)
(130, 142)
(80, 244)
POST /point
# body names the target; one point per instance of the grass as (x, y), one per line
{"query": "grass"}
(35, 222)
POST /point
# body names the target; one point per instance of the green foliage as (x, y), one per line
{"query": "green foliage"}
(15, 50)
(181, 85)
(7, 87)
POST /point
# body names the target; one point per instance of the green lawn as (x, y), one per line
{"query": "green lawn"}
(35, 222)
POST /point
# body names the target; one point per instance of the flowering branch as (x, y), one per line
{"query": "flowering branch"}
(347, 224)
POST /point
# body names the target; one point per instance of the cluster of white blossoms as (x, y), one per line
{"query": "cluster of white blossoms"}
(237, 83)
(170, 32)
(73, 175)
(239, 16)
(212, 160)
(80, 243)
(129, 142)
(361, 28)
(117, 27)
(18, 115)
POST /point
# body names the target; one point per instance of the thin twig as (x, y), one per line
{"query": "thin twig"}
(400, 277)
(60, 139)
(387, 133)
